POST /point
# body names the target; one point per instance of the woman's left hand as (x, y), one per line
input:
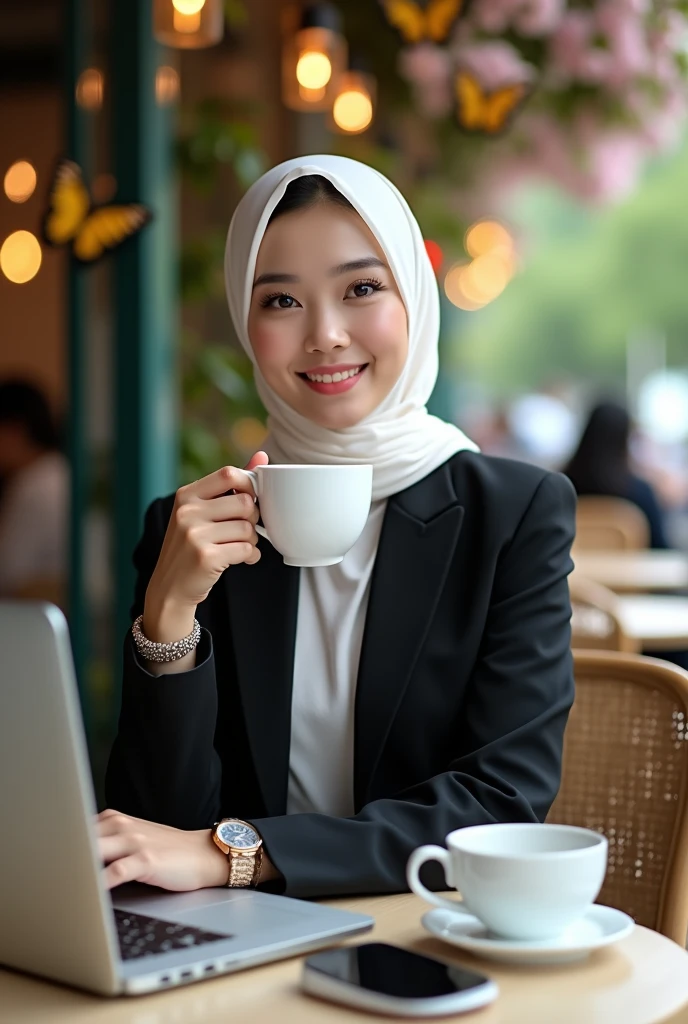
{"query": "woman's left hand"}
(135, 850)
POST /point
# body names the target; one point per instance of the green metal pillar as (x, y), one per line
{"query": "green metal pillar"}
(145, 293)
(77, 30)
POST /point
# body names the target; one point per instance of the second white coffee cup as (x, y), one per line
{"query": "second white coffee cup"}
(313, 515)
(523, 881)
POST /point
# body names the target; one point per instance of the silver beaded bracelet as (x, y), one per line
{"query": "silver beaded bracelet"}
(151, 651)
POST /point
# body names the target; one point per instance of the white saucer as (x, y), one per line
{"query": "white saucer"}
(601, 926)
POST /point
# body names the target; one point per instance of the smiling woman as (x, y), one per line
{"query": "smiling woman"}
(332, 342)
(339, 716)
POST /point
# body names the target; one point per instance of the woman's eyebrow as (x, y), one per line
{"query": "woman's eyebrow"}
(271, 278)
(365, 263)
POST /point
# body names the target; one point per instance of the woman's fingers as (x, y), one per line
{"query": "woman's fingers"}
(227, 478)
(230, 506)
(113, 847)
(127, 869)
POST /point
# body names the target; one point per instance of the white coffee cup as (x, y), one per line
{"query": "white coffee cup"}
(312, 514)
(523, 881)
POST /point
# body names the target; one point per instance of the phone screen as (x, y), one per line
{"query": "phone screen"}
(394, 972)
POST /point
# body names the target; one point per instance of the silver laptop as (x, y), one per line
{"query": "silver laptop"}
(56, 919)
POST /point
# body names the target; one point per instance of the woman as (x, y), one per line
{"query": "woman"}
(345, 714)
(601, 465)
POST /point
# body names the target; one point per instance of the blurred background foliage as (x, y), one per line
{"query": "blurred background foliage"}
(591, 279)
(222, 416)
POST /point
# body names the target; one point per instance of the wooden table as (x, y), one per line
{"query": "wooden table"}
(642, 980)
(634, 571)
(658, 621)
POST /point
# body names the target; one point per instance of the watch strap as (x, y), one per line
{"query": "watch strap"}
(242, 869)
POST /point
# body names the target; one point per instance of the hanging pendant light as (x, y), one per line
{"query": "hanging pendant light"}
(188, 24)
(314, 56)
(353, 107)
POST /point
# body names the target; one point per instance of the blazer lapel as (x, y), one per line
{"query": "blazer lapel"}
(263, 604)
(419, 534)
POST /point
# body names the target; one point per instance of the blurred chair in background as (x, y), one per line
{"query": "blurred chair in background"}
(625, 774)
(34, 497)
(610, 524)
(601, 466)
(595, 622)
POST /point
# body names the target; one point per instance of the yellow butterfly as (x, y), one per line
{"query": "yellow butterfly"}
(416, 23)
(487, 112)
(71, 217)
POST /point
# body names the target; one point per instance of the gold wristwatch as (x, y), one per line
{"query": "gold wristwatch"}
(244, 849)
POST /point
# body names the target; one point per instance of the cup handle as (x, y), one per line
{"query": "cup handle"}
(416, 860)
(254, 480)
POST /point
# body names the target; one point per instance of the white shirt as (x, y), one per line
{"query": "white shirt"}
(333, 601)
(34, 523)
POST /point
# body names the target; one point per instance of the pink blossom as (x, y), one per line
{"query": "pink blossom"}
(539, 17)
(493, 16)
(625, 33)
(493, 64)
(528, 17)
(428, 69)
(425, 63)
(572, 54)
(614, 162)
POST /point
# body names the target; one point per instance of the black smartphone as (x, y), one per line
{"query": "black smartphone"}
(387, 979)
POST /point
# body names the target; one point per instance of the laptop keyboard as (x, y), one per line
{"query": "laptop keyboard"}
(140, 935)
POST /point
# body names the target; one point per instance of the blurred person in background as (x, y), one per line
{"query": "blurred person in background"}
(602, 465)
(34, 496)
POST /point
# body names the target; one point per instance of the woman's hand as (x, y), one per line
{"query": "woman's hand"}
(135, 850)
(208, 531)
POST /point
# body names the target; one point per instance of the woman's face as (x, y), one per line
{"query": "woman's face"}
(327, 323)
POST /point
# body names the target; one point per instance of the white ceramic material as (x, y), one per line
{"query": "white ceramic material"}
(523, 881)
(599, 926)
(313, 515)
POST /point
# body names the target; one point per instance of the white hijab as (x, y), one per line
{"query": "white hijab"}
(401, 440)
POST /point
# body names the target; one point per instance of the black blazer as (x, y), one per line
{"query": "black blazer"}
(464, 686)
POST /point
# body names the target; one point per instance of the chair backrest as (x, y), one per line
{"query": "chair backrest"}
(610, 524)
(595, 622)
(625, 774)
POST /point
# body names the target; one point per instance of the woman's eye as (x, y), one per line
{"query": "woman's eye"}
(363, 289)
(281, 301)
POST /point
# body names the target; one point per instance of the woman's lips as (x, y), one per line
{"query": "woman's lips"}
(336, 387)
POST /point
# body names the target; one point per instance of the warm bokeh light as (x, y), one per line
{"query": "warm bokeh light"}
(20, 181)
(353, 110)
(188, 6)
(487, 277)
(89, 89)
(20, 257)
(454, 289)
(166, 85)
(435, 254)
(487, 236)
(313, 70)
(186, 23)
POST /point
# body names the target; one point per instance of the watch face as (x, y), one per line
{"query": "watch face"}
(238, 835)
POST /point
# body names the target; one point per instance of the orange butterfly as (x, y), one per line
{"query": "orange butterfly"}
(416, 23)
(487, 112)
(71, 217)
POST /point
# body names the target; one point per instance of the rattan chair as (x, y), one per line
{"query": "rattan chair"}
(626, 775)
(610, 524)
(595, 622)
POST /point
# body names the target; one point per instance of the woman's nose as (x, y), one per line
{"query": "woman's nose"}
(325, 334)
